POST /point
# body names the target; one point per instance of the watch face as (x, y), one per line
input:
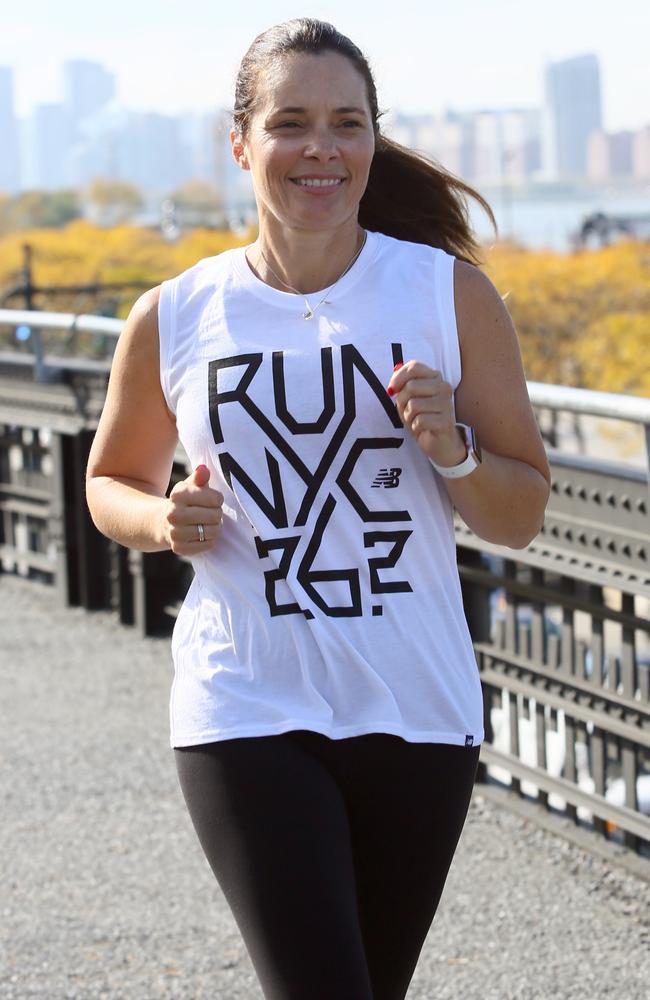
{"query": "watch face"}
(476, 445)
(472, 442)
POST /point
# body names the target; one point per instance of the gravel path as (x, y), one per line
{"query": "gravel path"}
(105, 892)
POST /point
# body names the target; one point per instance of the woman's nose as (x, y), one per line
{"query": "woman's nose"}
(322, 143)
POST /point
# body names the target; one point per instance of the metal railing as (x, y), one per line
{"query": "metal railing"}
(60, 321)
(561, 629)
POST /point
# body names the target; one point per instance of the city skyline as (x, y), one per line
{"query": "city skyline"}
(193, 51)
(88, 135)
(66, 67)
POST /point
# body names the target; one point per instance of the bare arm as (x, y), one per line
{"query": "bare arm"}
(504, 499)
(132, 454)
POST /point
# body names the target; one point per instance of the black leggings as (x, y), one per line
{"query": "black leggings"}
(332, 854)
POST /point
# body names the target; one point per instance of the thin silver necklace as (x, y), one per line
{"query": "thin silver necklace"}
(309, 311)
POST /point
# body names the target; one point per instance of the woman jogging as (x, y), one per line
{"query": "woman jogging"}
(330, 384)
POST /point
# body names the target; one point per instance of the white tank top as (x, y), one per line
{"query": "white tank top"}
(331, 600)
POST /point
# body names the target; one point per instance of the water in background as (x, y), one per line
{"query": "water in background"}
(548, 221)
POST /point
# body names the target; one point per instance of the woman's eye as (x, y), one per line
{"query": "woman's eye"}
(351, 123)
(289, 125)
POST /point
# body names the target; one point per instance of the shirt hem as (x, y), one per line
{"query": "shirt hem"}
(339, 732)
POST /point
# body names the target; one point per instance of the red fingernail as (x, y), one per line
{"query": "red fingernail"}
(400, 364)
(390, 390)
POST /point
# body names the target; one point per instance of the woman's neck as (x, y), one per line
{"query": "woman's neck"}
(301, 261)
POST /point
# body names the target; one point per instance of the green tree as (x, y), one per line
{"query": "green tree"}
(197, 203)
(113, 202)
(38, 210)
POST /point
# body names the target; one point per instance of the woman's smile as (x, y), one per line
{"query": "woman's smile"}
(318, 185)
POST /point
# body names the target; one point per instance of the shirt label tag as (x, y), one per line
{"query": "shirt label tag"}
(469, 740)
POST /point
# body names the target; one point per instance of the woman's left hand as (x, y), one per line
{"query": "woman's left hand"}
(425, 405)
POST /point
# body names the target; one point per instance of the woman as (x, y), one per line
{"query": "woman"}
(330, 384)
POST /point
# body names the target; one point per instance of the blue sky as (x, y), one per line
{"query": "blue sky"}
(177, 55)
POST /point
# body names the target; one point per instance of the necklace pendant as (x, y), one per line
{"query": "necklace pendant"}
(309, 314)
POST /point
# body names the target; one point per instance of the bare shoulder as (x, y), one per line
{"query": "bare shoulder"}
(136, 362)
(492, 394)
(143, 317)
(135, 400)
(138, 343)
(470, 276)
(148, 301)
(480, 310)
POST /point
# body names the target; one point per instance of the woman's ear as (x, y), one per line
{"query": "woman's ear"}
(238, 150)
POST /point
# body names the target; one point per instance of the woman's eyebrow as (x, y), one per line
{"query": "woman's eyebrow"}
(302, 111)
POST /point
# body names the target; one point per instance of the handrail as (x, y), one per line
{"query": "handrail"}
(82, 322)
(616, 406)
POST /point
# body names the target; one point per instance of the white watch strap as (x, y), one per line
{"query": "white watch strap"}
(456, 471)
(466, 466)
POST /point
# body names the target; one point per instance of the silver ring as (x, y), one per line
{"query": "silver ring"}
(201, 532)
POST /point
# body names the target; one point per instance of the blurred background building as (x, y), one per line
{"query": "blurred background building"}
(89, 135)
(572, 111)
(10, 156)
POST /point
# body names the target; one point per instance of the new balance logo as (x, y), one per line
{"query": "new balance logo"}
(388, 478)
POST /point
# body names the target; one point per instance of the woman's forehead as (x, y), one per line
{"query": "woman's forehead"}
(296, 78)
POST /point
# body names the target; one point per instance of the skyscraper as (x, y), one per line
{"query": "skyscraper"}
(46, 145)
(572, 111)
(9, 158)
(151, 153)
(87, 87)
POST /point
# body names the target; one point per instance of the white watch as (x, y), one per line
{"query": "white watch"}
(468, 464)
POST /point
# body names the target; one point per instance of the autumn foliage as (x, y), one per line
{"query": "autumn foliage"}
(82, 254)
(583, 318)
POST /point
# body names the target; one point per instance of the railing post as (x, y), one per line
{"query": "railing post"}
(28, 287)
(86, 571)
(58, 526)
(92, 547)
(120, 583)
(476, 598)
(476, 603)
(646, 433)
(139, 590)
(158, 579)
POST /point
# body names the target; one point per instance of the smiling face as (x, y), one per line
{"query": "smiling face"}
(310, 142)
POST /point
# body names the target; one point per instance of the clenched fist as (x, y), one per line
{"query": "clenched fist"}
(425, 405)
(193, 508)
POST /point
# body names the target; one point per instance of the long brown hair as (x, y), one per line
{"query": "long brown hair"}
(408, 195)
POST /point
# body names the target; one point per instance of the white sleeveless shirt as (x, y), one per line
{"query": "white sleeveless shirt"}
(331, 600)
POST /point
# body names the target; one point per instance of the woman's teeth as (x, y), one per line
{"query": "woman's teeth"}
(314, 182)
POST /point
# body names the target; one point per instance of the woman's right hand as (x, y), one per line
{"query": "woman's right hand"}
(192, 502)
